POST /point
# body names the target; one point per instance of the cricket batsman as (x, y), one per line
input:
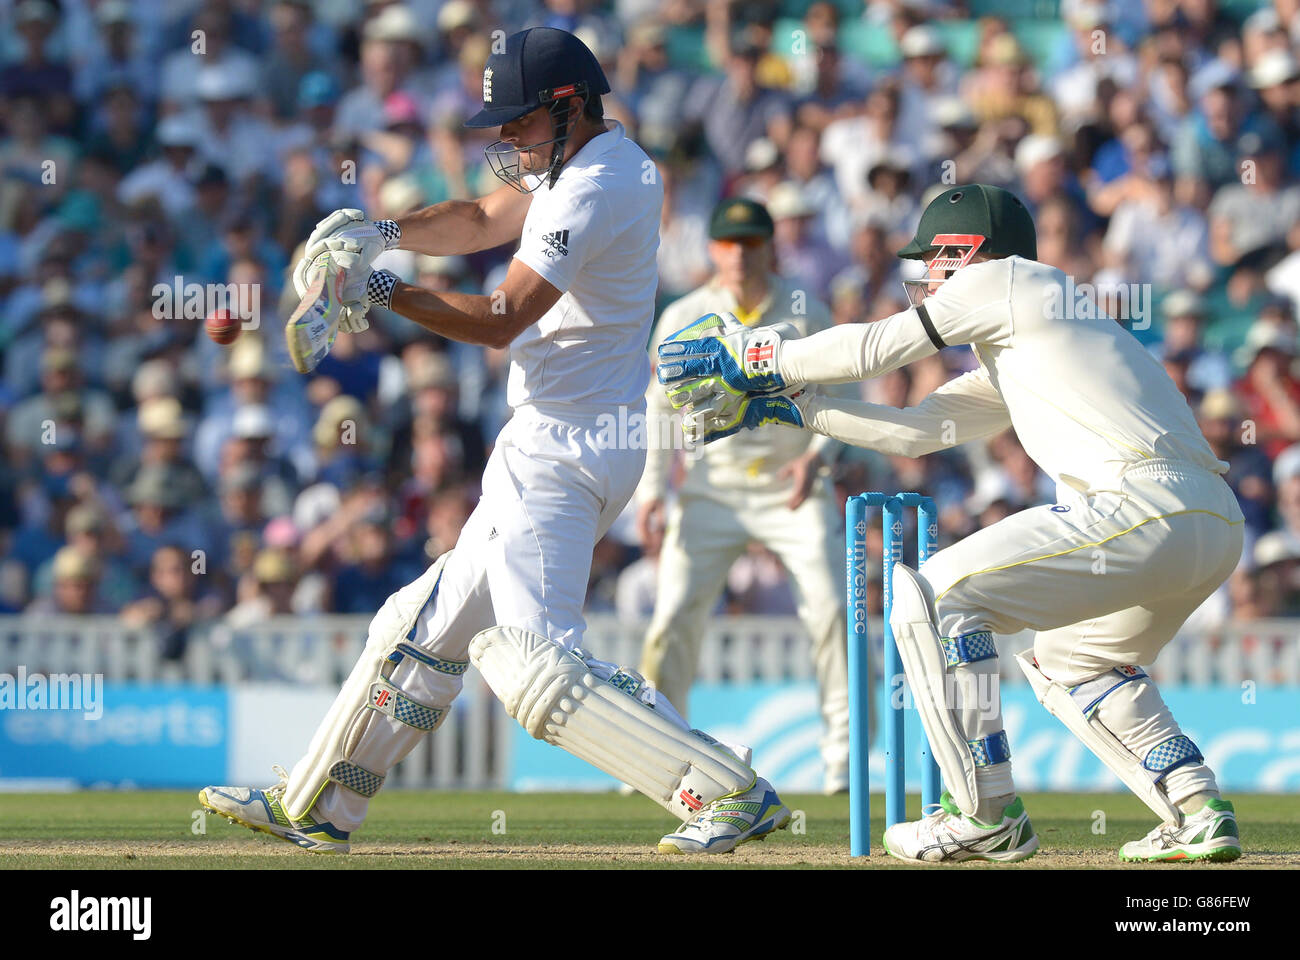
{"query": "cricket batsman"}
(575, 310)
(765, 485)
(1144, 529)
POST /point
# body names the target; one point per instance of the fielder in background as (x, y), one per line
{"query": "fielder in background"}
(1145, 527)
(766, 485)
(575, 309)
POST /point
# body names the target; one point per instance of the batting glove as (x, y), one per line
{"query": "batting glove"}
(366, 237)
(747, 361)
(363, 286)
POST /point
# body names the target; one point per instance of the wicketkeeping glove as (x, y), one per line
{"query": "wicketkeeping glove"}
(723, 414)
(747, 361)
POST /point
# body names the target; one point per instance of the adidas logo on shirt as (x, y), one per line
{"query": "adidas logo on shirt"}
(558, 241)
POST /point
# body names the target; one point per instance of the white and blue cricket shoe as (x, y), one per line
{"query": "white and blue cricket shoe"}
(263, 811)
(725, 824)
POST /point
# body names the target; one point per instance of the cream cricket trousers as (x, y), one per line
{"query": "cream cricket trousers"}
(704, 537)
(1105, 582)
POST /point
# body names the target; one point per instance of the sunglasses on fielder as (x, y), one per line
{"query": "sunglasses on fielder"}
(952, 251)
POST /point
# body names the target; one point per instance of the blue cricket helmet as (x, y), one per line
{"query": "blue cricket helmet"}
(539, 67)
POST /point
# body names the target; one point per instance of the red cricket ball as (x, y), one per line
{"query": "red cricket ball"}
(222, 326)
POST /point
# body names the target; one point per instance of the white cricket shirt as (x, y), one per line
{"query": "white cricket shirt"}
(594, 236)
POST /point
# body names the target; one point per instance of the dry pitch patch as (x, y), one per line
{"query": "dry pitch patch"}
(428, 830)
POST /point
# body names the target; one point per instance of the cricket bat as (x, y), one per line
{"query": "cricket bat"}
(313, 325)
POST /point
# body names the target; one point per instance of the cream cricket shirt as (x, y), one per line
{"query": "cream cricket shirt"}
(1085, 398)
(593, 236)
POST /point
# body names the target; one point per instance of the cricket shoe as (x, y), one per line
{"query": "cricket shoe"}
(1210, 834)
(946, 835)
(725, 824)
(263, 811)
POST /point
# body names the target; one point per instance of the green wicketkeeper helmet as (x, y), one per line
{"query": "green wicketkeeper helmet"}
(970, 219)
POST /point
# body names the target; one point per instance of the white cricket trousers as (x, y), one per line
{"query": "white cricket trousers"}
(523, 559)
(1105, 581)
(704, 536)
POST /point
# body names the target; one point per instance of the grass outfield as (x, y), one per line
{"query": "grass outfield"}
(427, 830)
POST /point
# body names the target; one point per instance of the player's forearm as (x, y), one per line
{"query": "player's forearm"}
(465, 226)
(464, 317)
(935, 424)
(855, 351)
(447, 228)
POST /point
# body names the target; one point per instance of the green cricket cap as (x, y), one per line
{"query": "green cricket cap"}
(740, 217)
(977, 208)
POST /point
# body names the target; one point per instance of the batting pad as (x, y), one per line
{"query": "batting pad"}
(556, 698)
(373, 723)
(925, 662)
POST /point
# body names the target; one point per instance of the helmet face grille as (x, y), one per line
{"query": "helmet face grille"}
(506, 161)
(952, 252)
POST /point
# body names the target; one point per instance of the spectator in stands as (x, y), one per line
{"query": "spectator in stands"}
(1005, 84)
(168, 179)
(1206, 145)
(384, 70)
(29, 423)
(801, 255)
(1252, 217)
(163, 430)
(158, 517)
(927, 80)
(734, 110)
(174, 602)
(1153, 236)
(76, 587)
(209, 35)
(1184, 319)
(35, 73)
(343, 442)
(1250, 474)
(267, 590)
(373, 572)
(1275, 77)
(1270, 390)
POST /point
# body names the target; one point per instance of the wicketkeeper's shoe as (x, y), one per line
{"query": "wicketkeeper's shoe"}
(946, 835)
(263, 811)
(1210, 834)
(727, 823)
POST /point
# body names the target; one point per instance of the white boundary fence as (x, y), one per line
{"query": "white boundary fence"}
(469, 751)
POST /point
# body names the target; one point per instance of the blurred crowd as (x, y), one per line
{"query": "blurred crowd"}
(153, 151)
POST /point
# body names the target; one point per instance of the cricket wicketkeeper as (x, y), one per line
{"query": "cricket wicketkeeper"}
(1145, 528)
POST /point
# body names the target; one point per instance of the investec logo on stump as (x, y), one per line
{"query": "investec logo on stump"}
(76, 913)
(56, 691)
